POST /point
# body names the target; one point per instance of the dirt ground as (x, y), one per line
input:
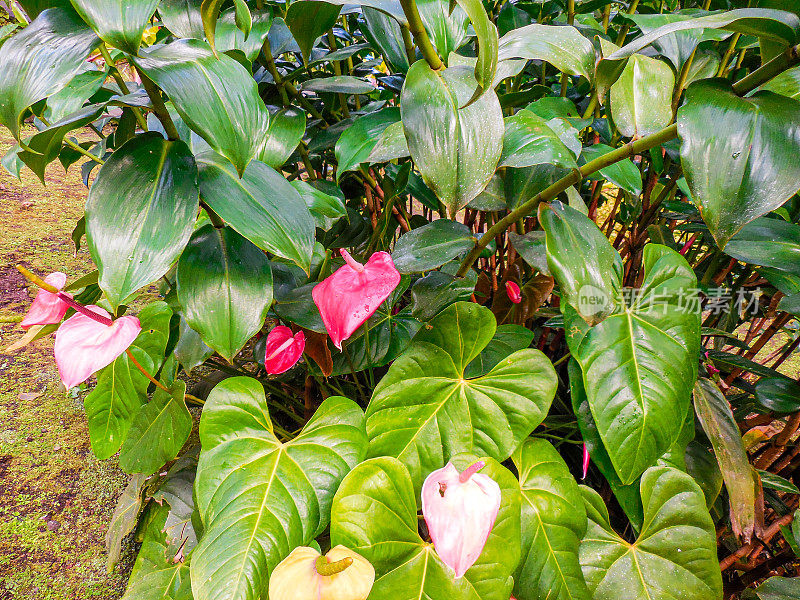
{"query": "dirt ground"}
(56, 498)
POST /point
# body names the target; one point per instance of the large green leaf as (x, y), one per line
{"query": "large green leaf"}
(262, 206)
(553, 523)
(308, 20)
(737, 154)
(209, 13)
(562, 46)
(216, 97)
(780, 26)
(639, 362)
(259, 497)
(125, 518)
(529, 140)
(675, 555)
(455, 149)
(424, 410)
(228, 35)
(718, 422)
(785, 84)
(286, 129)
(120, 24)
(40, 60)
(225, 288)
(375, 514)
(486, 32)
(326, 208)
(778, 394)
(158, 431)
(431, 246)
(768, 243)
(355, 145)
(622, 173)
(446, 28)
(385, 35)
(779, 588)
(71, 98)
(140, 212)
(587, 268)
(182, 17)
(112, 404)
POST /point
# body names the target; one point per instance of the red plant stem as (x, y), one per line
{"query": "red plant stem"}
(136, 364)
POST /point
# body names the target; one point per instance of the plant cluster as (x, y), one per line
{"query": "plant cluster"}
(439, 260)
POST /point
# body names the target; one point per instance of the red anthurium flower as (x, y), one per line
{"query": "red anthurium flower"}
(47, 307)
(586, 459)
(283, 349)
(460, 510)
(512, 289)
(353, 293)
(84, 344)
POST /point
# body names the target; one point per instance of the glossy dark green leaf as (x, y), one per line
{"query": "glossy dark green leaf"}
(375, 514)
(589, 278)
(720, 426)
(391, 145)
(778, 483)
(209, 13)
(553, 523)
(308, 20)
(262, 206)
(528, 140)
(158, 431)
(120, 392)
(768, 243)
(456, 150)
(431, 246)
(116, 23)
(216, 97)
(225, 288)
(182, 17)
(286, 129)
(385, 35)
(778, 394)
(779, 588)
(424, 411)
(140, 212)
(623, 174)
(191, 350)
(297, 306)
(486, 32)
(531, 247)
(791, 304)
(325, 208)
(40, 60)
(675, 555)
(71, 98)
(341, 84)
(737, 154)
(229, 36)
(437, 290)
(493, 196)
(446, 25)
(44, 147)
(701, 464)
(785, 84)
(34, 7)
(259, 497)
(562, 46)
(357, 142)
(124, 519)
(775, 25)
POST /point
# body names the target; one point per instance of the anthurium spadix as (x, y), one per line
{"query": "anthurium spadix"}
(48, 308)
(460, 510)
(307, 575)
(353, 293)
(283, 349)
(89, 340)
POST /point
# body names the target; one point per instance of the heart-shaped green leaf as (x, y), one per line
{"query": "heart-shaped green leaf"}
(158, 431)
(118, 24)
(455, 149)
(357, 142)
(216, 97)
(553, 523)
(40, 60)
(261, 205)
(562, 46)
(424, 410)
(375, 514)
(768, 243)
(140, 212)
(738, 154)
(675, 555)
(225, 288)
(259, 497)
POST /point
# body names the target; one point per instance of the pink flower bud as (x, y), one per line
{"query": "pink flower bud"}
(512, 289)
(353, 293)
(586, 459)
(460, 510)
(283, 349)
(47, 308)
(84, 346)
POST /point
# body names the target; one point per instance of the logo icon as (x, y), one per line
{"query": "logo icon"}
(592, 300)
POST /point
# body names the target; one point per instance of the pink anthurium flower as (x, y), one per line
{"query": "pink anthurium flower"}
(353, 293)
(512, 289)
(47, 308)
(586, 459)
(86, 344)
(283, 349)
(460, 510)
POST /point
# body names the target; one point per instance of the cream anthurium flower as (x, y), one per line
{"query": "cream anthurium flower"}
(307, 575)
